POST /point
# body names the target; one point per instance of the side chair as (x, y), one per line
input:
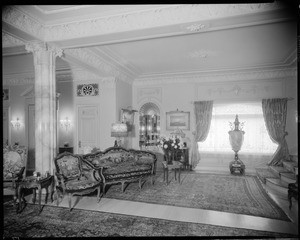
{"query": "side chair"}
(71, 179)
(14, 168)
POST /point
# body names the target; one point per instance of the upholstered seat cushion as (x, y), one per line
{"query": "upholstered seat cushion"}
(125, 170)
(75, 185)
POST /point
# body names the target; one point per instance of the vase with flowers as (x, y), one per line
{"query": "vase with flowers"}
(170, 146)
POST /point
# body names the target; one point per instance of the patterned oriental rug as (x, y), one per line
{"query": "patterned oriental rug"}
(60, 222)
(227, 193)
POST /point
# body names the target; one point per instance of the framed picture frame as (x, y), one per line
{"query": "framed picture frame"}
(178, 120)
(127, 116)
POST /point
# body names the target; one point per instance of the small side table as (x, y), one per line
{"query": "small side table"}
(176, 165)
(35, 183)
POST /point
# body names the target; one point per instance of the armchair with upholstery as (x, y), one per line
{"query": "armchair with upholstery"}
(71, 178)
(14, 168)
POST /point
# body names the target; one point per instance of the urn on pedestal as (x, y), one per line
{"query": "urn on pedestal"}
(236, 138)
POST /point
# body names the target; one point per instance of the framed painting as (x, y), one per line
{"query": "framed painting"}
(127, 116)
(178, 120)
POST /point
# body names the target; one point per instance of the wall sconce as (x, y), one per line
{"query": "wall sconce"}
(65, 123)
(16, 123)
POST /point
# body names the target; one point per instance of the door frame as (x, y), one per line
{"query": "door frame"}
(76, 124)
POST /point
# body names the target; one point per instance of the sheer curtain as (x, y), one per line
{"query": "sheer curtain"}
(257, 142)
(203, 114)
(274, 111)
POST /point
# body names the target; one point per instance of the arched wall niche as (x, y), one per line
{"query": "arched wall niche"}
(149, 124)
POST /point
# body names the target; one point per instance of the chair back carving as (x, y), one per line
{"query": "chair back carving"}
(14, 162)
(69, 166)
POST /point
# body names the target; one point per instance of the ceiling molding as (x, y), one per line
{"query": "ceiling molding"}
(15, 17)
(10, 41)
(144, 19)
(220, 77)
(90, 58)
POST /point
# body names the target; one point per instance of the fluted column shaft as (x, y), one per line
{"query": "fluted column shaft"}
(45, 105)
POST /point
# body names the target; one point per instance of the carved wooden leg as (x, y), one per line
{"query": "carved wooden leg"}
(57, 197)
(103, 189)
(70, 199)
(40, 197)
(19, 207)
(179, 175)
(122, 186)
(99, 191)
(140, 183)
(152, 180)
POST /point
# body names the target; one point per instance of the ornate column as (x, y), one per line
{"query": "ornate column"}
(45, 104)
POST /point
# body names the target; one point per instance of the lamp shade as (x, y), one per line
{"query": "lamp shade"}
(119, 130)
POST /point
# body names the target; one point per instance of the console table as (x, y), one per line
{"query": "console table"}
(35, 183)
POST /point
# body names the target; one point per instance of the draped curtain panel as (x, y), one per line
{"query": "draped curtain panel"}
(203, 114)
(274, 112)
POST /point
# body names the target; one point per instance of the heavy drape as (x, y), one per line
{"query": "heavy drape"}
(203, 114)
(274, 112)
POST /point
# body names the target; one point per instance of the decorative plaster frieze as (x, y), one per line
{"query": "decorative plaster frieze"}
(202, 53)
(161, 16)
(196, 27)
(218, 77)
(18, 79)
(22, 21)
(149, 93)
(177, 14)
(97, 62)
(242, 90)
(10, 41)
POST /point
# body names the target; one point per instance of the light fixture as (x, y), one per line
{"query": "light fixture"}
(119, 130)
(65, 123)
(16, 123)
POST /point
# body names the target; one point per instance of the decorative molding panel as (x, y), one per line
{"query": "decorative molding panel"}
(222, 76)
(158, 17)
(10, 41)
(87, 90)
(149, 93)
(18, 79)
(5, 95)
(246, 90)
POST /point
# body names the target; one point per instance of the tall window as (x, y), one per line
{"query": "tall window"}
(256, 138)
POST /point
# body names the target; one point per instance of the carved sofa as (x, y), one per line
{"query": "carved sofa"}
(119, 165)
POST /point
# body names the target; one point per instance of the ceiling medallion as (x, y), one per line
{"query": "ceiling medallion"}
(197, 27)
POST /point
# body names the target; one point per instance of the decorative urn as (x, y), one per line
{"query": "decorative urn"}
(236, 138)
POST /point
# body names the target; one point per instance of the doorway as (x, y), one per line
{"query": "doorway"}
(87, 127)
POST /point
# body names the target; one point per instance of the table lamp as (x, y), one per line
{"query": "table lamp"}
(118, 130)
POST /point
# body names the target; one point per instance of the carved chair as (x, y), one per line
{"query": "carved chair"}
(14, 168)
(71, 179)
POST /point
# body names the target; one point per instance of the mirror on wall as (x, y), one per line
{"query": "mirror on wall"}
(149, 125)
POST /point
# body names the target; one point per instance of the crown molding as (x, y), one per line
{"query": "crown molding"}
(89, 57)
(149, 18)
(10, 41)
(17, 18)
(222, 76)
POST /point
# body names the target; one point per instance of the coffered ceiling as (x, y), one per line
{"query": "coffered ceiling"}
(135, 42)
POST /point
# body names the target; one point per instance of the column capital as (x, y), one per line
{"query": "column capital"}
(36, 46)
